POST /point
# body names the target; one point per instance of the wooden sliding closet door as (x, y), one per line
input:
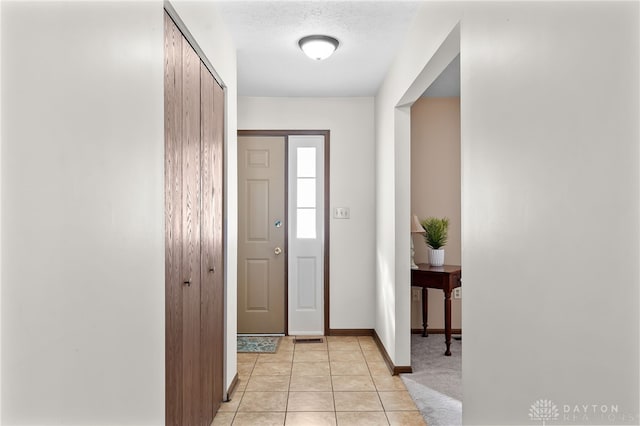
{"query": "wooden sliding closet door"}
(212, 291)
(207, 254)
(191, 250)
(194, 111)
(173, 222)
(218, 244)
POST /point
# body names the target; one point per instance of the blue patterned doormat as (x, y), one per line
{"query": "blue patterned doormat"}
(262, 344)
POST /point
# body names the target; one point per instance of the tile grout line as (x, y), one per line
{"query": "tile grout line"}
(333, 394)
(376, 388)
(361, 352)
(286, 408)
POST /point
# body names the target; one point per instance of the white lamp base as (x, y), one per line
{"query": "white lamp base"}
(413, 252)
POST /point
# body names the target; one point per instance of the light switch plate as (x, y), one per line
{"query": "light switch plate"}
(341, 212)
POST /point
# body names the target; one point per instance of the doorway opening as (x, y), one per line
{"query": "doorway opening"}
(436, 192)
(429, 118)
(283, 232)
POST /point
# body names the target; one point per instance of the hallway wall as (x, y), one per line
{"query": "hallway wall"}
(82, 213)
(550, 164)
(433, 23)
(551, 160)
(350, 120)
(82, 202)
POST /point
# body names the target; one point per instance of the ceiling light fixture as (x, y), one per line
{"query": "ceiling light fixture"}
(318, 47)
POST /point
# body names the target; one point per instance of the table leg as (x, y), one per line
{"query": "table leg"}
(447, 320)
(425, 311)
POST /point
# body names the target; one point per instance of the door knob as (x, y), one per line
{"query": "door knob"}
(277, 251)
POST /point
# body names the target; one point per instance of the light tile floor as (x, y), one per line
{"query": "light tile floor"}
(342, 381)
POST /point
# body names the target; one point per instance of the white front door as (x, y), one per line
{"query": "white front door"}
(306, 234)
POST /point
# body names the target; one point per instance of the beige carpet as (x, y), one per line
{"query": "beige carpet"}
(436, 382)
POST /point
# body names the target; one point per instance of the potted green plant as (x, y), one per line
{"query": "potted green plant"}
(435, 235)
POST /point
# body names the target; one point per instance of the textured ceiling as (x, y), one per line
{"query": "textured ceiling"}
(266, 34)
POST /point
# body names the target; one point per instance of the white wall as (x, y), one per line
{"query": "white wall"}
(432, 25)
(550, 166)
(206, 25)
(546, 175)
(82, 213)
(350, 121)
(83, 209)
(1, 272)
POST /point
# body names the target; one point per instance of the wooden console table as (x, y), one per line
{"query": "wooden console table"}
(445, 278)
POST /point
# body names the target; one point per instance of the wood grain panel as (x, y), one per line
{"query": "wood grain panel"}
(207, 260)
(173, 221)
(194, 202)
(191, 202)
(218, 244)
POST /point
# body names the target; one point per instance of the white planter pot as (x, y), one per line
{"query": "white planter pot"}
(436, 257)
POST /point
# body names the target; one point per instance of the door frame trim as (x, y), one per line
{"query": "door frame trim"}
(327, 212)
